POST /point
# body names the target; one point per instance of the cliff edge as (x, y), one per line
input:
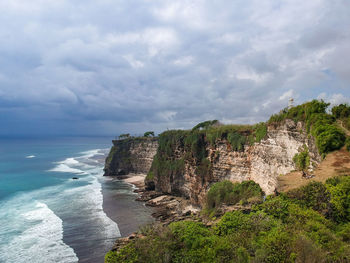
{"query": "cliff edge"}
(187, 163)
(131, 155)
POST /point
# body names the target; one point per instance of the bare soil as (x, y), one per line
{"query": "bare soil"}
(335, 164)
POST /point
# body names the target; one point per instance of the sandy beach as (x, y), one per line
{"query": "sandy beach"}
(136, 179)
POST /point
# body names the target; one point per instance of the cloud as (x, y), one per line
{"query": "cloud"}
(151, 65)
(334, 99)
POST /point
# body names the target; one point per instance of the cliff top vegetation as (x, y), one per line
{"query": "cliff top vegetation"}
(319, 123)
(309, 224)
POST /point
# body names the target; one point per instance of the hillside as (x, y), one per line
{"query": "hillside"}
(227, 170)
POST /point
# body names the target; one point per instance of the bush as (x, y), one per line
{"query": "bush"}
(302, 159)
(226, 192)
(339, 188)
(347, 143)
(314, 195)
(341, 111)
(260, 131)
(205, 125)
(236, 141)
(329, 138)
(321, 125)
(285, 228)
(148, 134)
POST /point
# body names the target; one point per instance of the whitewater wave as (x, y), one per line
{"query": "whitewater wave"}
(56, 223)
(86, 201)
(82, 165)
(30, 156)
(37, 237)
(64, 168)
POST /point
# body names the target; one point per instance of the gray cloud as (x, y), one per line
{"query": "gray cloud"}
(87, 67)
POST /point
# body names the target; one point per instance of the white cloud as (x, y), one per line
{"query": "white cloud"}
(334, 99)
(169, 63)
(184, 61)
(166, 115)
(133, 62)
(287, 95)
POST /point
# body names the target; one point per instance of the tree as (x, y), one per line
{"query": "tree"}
(341, 111)
(148, 134)
(124, 136)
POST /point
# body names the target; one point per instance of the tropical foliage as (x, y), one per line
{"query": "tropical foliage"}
(302, 159)
(310, 224)
(320, 124)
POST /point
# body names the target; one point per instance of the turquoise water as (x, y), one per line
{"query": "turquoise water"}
(45, 215)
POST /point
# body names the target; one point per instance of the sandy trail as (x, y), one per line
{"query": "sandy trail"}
(335, 163)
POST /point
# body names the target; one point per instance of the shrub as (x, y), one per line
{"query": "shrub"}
(236, 141)
(148, 134)
(321, 125)
(314, 195)
(260, 131)
(205, 125)
(285, 228)
(341, 111)
(124, 136)
(191, 234)
(347, 143)
(226, 192)
(339, 188)
(219, 193)
(329, 138)
(302, 159)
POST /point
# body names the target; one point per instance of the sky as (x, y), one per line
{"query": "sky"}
(83, 67)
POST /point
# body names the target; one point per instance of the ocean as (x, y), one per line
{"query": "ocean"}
(47, 216)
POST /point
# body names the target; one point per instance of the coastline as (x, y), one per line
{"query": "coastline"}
(120, 205)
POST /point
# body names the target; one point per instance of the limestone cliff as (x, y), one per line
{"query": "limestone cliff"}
(261, 162)
(131, 155)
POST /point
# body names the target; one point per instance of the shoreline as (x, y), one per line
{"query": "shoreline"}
(120, 203)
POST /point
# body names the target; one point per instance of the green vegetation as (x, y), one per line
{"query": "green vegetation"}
(205, 125)
(124, 136)
(150, 176)
(341, 111)
(347, 143)
(193, 145)
(229, 193)
(237, 141)
(148, 134)
(165, 163)
(178, 147)
(260, 131)
(110, 155)
(310, 224)
(320, 124)
(302, 159)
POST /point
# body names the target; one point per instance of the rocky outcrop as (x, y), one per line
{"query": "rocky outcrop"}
(131, 155)
(261, 162)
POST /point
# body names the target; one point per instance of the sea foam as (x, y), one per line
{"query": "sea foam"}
(56, 223)
(37, 237)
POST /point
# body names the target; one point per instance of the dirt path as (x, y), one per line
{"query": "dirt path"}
(340, 123)
(336, 163)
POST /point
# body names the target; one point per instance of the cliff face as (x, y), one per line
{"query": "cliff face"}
(261, 162)
(131, 155)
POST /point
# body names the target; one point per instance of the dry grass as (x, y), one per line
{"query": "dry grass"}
(335, 164)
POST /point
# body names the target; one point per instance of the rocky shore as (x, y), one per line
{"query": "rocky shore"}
(167, 208)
